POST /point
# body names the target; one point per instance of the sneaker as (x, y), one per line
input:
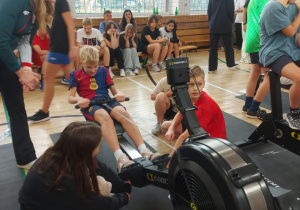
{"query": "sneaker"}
(42, 85)
(123, 162)
(155, 68)
(150, 155)
(285, 81)
(156, 129)
(293, 118)
(137, 71)
(161, 65)
(222, 49)
(111, 73)
(242, 60)
(40, 116)
(232, 67)
(245, 109)
(212, 71)
(130, 72)
(251, 114)
(65, 81)
(122, 72)
(247, 61)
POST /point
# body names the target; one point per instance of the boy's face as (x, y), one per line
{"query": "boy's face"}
(87, 29)
(160, 22)
(193, 90)
(90, 68)
(108, 17)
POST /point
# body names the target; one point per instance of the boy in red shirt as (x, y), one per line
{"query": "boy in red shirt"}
(40, 46)
(208, 112)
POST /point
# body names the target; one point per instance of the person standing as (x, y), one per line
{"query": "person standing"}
(220, 18)
(17, 21)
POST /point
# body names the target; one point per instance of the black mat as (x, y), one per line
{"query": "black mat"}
(266, 103)
(11, 179)
(146, 198)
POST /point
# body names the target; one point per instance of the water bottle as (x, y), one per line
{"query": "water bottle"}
(176, 11)
(164, 43)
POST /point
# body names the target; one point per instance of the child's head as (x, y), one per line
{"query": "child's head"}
(107, 15)
(87, 25)
(42, 32)
(127, 14)
(196, 83)
(110, 26)
(152, 21)
(159, 21)
(170, 24)
(129, 30)
(89, 57)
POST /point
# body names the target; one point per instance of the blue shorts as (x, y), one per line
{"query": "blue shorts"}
(89, 111)
(58, 58)
(254, 57)
(281, 62)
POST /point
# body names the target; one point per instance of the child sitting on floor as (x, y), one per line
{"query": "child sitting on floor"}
(91, 83)
(208, 112)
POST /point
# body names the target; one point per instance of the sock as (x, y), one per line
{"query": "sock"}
(248, 102)
(160, 62)
(292, 109)
(167, 58)
(177, 57)
(141, 148)
(154, 64)
(118, 154)
(254, 106)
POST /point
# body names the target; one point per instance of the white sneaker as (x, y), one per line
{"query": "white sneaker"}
(123, 162)
(111, 73)
(161, 65)
(150, 155)
(247, 60)
(130, 72)
(156, 129)
(242, 60)
(285, 81)
(155, 68)
(122, 73)
(137, 71)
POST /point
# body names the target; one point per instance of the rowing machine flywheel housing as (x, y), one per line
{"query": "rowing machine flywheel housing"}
(213, 174)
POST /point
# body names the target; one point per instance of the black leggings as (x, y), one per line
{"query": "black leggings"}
(116, 53)
(12, 95)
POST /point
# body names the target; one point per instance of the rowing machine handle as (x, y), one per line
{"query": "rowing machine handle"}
(93, 102)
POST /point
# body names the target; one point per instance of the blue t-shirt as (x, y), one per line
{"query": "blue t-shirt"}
(102, 27)
(273, 43)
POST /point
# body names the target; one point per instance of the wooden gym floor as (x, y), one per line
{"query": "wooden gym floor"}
(222, 86)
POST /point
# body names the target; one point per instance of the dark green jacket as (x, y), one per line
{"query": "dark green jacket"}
(15, 21)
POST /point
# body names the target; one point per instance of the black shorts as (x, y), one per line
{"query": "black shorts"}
(281, 62)
(170, 114)
(144, 49)
(254, 57)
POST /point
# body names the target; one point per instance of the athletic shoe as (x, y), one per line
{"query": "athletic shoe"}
(65, 81)
(245, 109)
(242, 60)
(247, 61)
(285, 81)
(156, 129)
(130, 72)
(293, 118)
(123, 162)
(222, 49)
(42, 85)
(40, 116)
(137, 71)
(251, 114)
(155, 68)
(212, 71)
(150, 155)
(111, 73)
(122, 72)
(161, 65)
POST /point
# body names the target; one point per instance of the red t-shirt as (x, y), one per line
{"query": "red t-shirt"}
(44, 45)
(210, 116)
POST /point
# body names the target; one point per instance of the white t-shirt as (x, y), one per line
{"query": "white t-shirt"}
(163, 33)
(92, 40)
(239, 16)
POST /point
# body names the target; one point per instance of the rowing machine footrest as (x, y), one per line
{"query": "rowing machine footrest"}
(263, 115)
(162, 161)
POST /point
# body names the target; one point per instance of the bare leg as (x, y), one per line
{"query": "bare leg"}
(178, 128)
(163, 52)
(154, 50)
(264, 87)
(252, 81)
(106, 55)
(170, 48)
(176, 49)
(162, 103)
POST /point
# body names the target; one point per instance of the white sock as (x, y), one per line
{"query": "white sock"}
(118, 154)
(167, 58)
(160, 62)
(177, 57)
(141, 148)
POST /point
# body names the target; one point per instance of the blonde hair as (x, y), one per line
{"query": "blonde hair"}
(87, 21)
(197, 71)
(89, 55)
(129, 26)
(43, 10)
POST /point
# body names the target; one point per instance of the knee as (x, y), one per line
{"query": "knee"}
(157, 46)
(103, 118)
(161, 98)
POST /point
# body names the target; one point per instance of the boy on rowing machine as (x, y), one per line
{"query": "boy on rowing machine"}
(91, 83)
